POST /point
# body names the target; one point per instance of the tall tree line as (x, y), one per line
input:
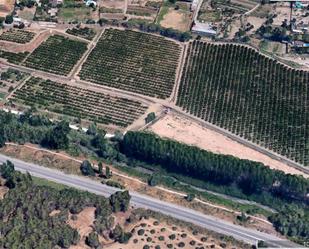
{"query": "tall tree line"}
(250, 177)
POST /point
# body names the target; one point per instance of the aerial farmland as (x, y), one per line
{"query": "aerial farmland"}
(197, 107)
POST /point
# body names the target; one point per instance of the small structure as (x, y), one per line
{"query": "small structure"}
(195, 4)
(91, 3)
(52, 12)
(203, 29)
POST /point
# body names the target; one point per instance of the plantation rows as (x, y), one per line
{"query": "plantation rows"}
(133, 61)
(255, 97)
(15, 58)
(86, 33)
(79, 102)
(17, 35)
(57, 55)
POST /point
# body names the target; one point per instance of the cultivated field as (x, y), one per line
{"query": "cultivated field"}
(17, 35)
(252, 96)
(78, 102)
(86, 33)
(57, 54)
(15, 58)
(133, 61)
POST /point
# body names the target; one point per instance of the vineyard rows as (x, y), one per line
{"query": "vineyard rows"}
(17, 35)
(57, 55)
(133, 61)
(252, 96)
(78, 102)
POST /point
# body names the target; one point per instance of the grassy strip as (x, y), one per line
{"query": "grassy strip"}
(173, 184)
(43, 182)
(163, 11)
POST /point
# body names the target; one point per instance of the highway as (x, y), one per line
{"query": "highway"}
(238, 232)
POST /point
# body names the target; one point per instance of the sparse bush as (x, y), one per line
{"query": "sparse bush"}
(181, 244)
(141, 232)
(172, 237)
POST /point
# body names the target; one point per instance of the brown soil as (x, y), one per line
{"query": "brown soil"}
(3, 191)
(28, 47)
(83, 224)
(183, 130)
(6, 7)
(54, 212)
(177, 19)
(157, 233)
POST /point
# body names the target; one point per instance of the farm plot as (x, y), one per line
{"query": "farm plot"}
(17, 35)
(256, 98)
(86, 33)
(133, 61)
(15, 58)
(78, 102)
(9, 80)
(57, 54)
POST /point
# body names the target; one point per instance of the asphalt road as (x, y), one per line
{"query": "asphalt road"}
(138, 200)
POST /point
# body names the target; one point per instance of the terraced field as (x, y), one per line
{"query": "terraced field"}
(57, 54)
(253, 96)
(133, 61)
(78, 102)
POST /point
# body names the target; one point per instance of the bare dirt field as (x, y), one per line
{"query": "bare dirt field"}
(183, 130)
(113, 4)
(3, 191)
(84, 225)
(6, 7)
(177, 19)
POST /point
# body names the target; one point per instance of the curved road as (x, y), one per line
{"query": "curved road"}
(240, 233)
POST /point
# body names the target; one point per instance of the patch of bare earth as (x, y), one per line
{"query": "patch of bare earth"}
(6, 7)
(83, 223)
(3, 191)
(177, 19)
(186, 131)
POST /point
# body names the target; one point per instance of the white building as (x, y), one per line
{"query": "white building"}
(203, 29)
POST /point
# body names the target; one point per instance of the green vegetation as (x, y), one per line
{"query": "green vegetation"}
(256, 98)
(86, 33)
(147, 63)
(251, 178)
(25, 213)
(17, 35)
(226, 174)
(163, 11)
(110, 10)
(75, 13)
(148, 26)
(57, 54)
(78, 102)
(15, 58)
